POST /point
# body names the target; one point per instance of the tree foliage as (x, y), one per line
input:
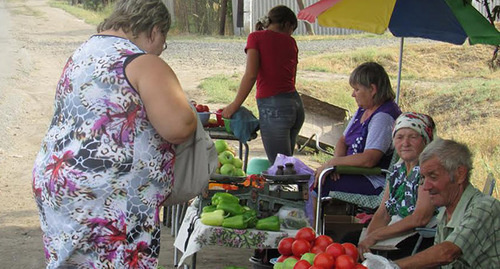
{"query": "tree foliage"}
(92, 4)
(202, 16)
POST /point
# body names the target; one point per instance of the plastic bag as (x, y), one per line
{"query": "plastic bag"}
(379, 262)
(301, 169)
(244, 124)
(292, 218)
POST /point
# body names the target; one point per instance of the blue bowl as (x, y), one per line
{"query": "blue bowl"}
(204, 117)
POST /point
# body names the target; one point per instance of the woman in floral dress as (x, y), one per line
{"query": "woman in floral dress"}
(106, 163)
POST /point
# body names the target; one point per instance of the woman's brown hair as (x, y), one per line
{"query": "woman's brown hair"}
(281, 15)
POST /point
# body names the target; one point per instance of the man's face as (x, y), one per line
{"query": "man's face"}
(437, 182)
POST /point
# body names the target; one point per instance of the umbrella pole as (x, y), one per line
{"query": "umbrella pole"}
(401, 45)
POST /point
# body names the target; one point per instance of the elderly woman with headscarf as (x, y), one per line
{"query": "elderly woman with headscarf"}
(404, 205)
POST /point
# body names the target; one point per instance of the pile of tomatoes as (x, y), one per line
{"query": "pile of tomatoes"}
(308, 251)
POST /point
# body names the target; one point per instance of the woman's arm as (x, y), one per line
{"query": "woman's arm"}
(380, 220)
(340, 147)
(166, 104)
(423, 213)
(246, 84)
(381, 217)
(368, 158)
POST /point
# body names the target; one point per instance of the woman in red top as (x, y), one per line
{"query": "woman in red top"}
(272, 57)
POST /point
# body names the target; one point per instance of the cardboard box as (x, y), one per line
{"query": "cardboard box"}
(337, 226)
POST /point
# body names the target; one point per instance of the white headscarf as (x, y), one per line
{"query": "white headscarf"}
(421, 123)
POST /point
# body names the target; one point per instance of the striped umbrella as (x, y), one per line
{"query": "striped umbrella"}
(451, 21)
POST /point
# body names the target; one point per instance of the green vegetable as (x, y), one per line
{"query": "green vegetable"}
(250, 217)
(209, 208)
(271, 223)
(219, 196)
(214, 218)
(236, 222)
(230, 207)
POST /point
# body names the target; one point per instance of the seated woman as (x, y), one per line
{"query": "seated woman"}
(404, 205)
(366, 141)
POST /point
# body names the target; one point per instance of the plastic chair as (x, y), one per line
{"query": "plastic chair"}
(489, 185)
(355, 199)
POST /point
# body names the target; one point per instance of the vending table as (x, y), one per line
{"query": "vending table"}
(194, 235)
(266, 199)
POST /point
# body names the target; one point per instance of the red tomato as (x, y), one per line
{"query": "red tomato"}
(335, 249)
(360, 266)
(282, 258)
(324, 260)
(302, 264)
(205, 108)
(344, 262)
(351, 250)
(316, 267)
(317, 249)
(199, 108)
(323, 241)
(285, 246)
(300, 246)
(306, 233)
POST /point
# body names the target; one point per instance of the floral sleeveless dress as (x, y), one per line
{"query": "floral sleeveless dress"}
(403, 190)
(102, 171)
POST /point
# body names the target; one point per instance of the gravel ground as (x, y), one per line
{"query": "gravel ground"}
(211, 54)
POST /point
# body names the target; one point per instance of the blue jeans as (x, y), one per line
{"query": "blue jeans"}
(280, 118)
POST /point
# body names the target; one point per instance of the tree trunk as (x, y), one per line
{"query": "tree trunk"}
(308, 26)
(180, 9)
(222, 21)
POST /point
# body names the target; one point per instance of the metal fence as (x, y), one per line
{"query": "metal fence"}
(255, 9)
(261, 7)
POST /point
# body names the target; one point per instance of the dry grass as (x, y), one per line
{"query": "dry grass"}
(423, 61)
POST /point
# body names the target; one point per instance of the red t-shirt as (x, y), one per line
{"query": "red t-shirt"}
(278, 62)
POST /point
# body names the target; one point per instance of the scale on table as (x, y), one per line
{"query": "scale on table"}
(277, 191)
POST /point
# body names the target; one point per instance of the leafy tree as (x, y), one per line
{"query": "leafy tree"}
(491, 15)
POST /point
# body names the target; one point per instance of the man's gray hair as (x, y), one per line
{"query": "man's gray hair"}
(450, 153)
